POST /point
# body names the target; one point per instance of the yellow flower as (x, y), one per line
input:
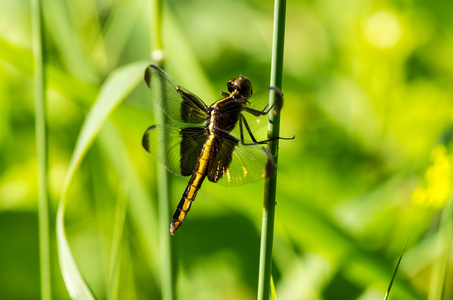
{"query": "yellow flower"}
(438, 180)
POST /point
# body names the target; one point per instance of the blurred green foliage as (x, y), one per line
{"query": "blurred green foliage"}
(368, 95)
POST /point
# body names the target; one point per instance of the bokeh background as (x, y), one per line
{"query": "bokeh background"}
(368, 96)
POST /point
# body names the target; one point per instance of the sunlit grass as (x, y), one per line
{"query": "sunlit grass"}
(115, 89)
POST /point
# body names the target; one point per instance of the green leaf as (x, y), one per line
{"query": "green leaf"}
(117, 245)
(119, 84)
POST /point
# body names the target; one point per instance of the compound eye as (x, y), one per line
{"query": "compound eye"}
(242, 85)
(231, 85)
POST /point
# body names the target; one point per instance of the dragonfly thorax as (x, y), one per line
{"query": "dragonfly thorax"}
(224, 114)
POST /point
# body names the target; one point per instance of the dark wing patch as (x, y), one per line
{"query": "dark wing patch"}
(193, 139)
(178, 103)
(176, 148)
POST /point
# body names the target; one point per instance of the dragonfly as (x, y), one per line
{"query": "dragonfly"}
(215, 150)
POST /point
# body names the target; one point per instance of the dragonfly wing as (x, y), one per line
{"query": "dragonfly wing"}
(256, 109)
(176, 148)
(178, 103)
(237, 164)
(260, 99)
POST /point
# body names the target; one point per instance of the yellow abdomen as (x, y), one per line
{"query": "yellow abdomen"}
(194, 184)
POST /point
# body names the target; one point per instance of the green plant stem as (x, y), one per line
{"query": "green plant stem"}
(163, 176)
(267, 227)
(440, 267)
(41, 148)
(166, 240)
(157, 53)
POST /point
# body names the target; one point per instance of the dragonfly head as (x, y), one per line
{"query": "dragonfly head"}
(242, 86)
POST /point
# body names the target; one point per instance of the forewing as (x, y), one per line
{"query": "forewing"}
(178, 103)
(257, 106)
(237, 164)
(176, 148)
(260, 100)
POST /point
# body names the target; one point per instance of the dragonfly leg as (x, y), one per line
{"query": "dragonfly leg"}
(278, 103)
(243, 122)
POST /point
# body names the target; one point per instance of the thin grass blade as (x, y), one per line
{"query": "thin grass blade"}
(273, 292)
(396, 270)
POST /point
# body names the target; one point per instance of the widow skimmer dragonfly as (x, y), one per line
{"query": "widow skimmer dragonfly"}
(211, 150)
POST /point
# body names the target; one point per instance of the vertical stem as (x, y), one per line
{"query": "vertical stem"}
(41, 148)
(267, 228)
(163, 177)
(156, 32)
(440, 267)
